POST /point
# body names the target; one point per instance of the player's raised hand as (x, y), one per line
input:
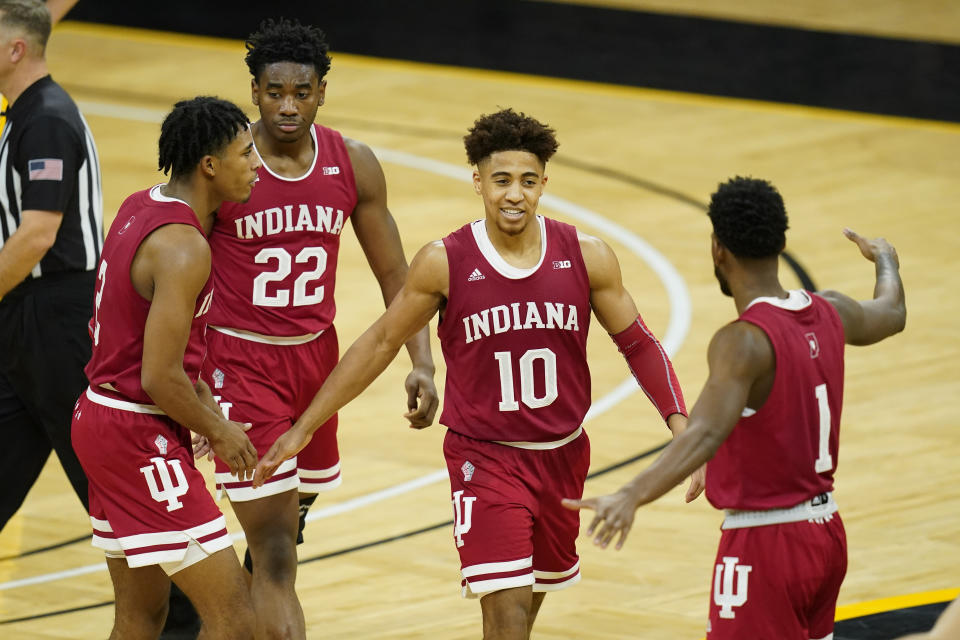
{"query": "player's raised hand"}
(422, 398)
(614, 516)
(871, 249)
(232, 445)
(286, 446)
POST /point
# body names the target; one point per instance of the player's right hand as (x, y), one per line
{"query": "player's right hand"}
(232, 445)
(285, 447)
(871, 249)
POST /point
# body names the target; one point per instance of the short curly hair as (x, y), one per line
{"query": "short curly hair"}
(507, 130)
(196, 128)
(287, 41)
(749, 217)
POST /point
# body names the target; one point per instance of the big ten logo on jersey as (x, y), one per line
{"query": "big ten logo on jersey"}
(724, 594)
(205, 305)
(164, 487)
(462, 515)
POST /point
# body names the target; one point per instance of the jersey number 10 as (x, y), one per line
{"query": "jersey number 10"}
(508, 399)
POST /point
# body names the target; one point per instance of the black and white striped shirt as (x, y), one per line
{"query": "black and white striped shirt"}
(48, 162)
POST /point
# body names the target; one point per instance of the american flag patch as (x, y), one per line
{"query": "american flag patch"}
(46, 169)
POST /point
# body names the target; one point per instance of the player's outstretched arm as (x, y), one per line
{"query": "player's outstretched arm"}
(379, 238)
(645, 356)
(738, 355)
(418, 301)
(869, 321)
(170, 269)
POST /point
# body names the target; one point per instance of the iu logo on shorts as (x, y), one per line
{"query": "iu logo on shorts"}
(462, 515)
(168, 491)
(723, 593)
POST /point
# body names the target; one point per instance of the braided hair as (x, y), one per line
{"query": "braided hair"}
(196, 128)
(749, 217)
(287, 41)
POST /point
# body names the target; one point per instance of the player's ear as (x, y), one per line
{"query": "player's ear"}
(208, 166)
(322, 90)
(716, 249)
(476, 181)
(254, 92)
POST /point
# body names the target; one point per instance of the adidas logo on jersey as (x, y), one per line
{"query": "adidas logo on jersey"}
(476, 275)
(331, 171)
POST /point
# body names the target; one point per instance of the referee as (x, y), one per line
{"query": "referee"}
(51, 233)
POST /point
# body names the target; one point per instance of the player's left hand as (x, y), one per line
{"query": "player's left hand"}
(614, 515)
(698, 481)
(422, 398)
(202, 446)
(286, 446)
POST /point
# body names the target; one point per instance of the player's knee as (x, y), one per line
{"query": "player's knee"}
(507, 619)
(143, 620)
(275, 559)
(234, 622)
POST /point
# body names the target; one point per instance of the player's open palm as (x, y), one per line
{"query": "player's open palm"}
(232, 445)
(872, 248)
(614, 516)
(284, 448)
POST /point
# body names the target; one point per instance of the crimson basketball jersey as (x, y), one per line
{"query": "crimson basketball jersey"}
(515, 340)
(275, 256)
(120, 313)
(786, 451)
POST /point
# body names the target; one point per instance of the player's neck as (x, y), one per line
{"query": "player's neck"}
(26, 73)
(521, 250)
(197, 197)
(288, 159)
(753, 286)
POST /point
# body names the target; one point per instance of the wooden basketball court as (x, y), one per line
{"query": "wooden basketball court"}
(635, 167)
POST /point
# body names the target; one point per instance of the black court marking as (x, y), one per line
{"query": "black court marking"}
(360, 547)
(58, 545)
(57, 613)
(889, 624)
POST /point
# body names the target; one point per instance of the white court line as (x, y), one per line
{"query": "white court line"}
(676, 332)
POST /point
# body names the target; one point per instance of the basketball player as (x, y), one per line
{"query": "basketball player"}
(768, 420)
(515, 291)
(149, 506)
(272, 341)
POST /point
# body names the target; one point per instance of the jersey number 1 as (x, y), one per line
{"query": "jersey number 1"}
(824, 461)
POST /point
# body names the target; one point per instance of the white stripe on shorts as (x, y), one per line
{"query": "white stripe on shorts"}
(271, 487)
(542, 446)
(123, 405)
(496, 567)
(547, 575)
(252, 336)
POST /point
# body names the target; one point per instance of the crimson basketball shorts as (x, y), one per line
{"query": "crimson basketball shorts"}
(509, 527)
(148, 501)
(779, 581)
(270, 385)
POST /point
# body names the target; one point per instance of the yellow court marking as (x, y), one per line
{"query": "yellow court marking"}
(598, 88)
(882, 605)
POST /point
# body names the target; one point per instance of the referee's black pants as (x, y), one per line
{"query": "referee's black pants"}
(44, 346)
